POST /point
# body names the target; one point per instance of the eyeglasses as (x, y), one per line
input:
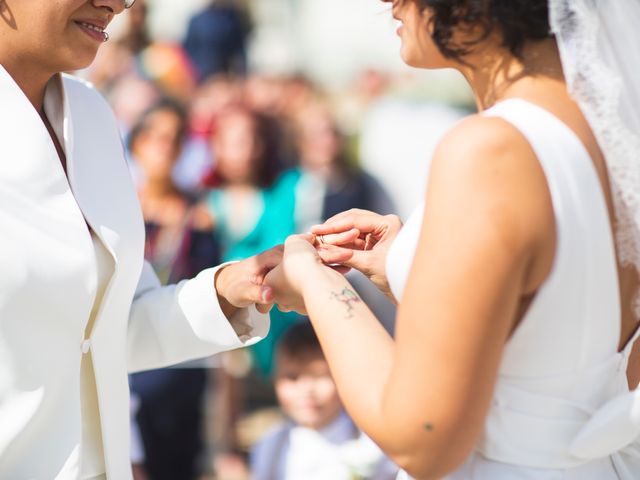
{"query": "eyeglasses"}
(128, 3)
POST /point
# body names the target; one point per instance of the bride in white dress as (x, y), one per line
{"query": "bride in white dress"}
(516, 278)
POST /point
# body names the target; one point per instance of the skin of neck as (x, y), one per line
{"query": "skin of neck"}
(501, 75)
(30, 76)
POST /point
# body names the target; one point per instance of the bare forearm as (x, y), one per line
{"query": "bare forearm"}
(358, 349)
(362, 355)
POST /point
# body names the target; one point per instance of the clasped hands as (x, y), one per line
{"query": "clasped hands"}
(283, 275)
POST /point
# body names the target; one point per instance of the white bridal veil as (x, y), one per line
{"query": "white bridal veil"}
(599, 42)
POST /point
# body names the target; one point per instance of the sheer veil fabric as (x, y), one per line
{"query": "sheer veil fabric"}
(598, 42)
(599, 45)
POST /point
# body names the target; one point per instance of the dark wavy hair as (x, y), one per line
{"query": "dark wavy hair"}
(165, 104)
(518, 21)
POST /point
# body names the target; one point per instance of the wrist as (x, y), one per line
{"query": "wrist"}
(317, 276)
(220, 280)
(220, 284)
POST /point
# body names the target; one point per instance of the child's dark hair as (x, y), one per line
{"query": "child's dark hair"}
(300, 341)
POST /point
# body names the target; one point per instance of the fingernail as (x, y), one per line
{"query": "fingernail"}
(264, 294)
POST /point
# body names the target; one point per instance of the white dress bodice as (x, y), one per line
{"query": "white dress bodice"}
(562, 408)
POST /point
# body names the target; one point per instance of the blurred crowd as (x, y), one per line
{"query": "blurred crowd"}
(228, 163)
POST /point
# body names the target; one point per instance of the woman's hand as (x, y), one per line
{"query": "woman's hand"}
(366, 253)
(300, 263)
(241, 284)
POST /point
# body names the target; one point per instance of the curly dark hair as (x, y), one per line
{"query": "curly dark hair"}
(518, 21)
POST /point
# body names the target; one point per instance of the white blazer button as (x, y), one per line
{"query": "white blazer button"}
(86, 346)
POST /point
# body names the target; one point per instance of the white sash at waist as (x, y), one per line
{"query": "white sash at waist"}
(538, 430)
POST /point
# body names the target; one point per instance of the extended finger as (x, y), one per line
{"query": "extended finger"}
(300, 243)
(330, 254)
(248, 293)
(356, 259)
(365, 223)
(267, 261)
(336, 226)
(349, 213)
(342, 238)
(309, 237)
(356, 244)
(272, 257)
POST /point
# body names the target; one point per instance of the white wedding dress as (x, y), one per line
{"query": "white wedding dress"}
(562, 409)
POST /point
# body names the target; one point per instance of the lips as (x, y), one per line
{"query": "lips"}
(93, 29)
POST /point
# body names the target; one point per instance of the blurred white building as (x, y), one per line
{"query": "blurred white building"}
(397, 143)
(329, 40)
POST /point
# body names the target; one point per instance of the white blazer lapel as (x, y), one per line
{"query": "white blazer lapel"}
(79, 172)
(99, 175)
(33, 186)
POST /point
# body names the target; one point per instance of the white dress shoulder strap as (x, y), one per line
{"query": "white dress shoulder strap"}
(579, 301)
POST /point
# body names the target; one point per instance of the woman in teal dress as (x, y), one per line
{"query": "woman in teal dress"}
(248, 207)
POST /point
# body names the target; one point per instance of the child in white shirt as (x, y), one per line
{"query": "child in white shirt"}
(319, 442)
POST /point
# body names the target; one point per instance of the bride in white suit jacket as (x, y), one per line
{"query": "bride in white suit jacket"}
(79, 308)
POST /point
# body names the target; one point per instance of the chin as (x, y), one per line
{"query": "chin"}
(84, 64)
(428, 57)
(80, 60)
(306, 418)
(408, 56)
(425, 65)
(410, 61)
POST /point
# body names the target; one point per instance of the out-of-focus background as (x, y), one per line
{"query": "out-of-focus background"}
(245, 121)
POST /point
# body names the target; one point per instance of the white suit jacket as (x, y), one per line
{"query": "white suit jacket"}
(48, 284)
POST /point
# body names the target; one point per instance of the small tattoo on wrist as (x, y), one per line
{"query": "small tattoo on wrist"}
(348, 297)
